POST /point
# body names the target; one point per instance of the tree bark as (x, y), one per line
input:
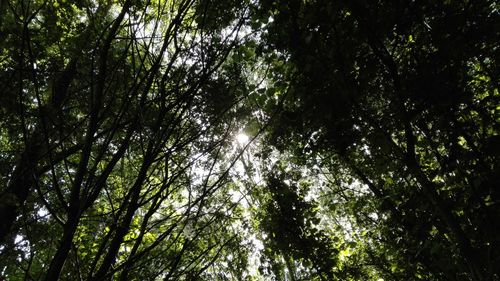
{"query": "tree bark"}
(57, 263)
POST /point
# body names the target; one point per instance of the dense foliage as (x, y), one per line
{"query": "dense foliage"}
(249, 140)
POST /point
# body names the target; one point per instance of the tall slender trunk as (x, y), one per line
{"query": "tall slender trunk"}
(124, 225)
(62, 252)
(143, 229)
(23, 178)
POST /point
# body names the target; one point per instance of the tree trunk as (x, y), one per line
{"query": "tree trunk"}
(59, 258)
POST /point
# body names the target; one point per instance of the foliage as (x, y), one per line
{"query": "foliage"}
(403, 99)
(249, 140)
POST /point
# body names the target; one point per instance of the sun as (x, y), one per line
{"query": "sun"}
(242, 138)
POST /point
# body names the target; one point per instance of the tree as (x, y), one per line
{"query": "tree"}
(249, 140)
(117, 147)
(404, 99)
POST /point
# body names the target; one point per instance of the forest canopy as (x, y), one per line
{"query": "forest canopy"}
(249, 140)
